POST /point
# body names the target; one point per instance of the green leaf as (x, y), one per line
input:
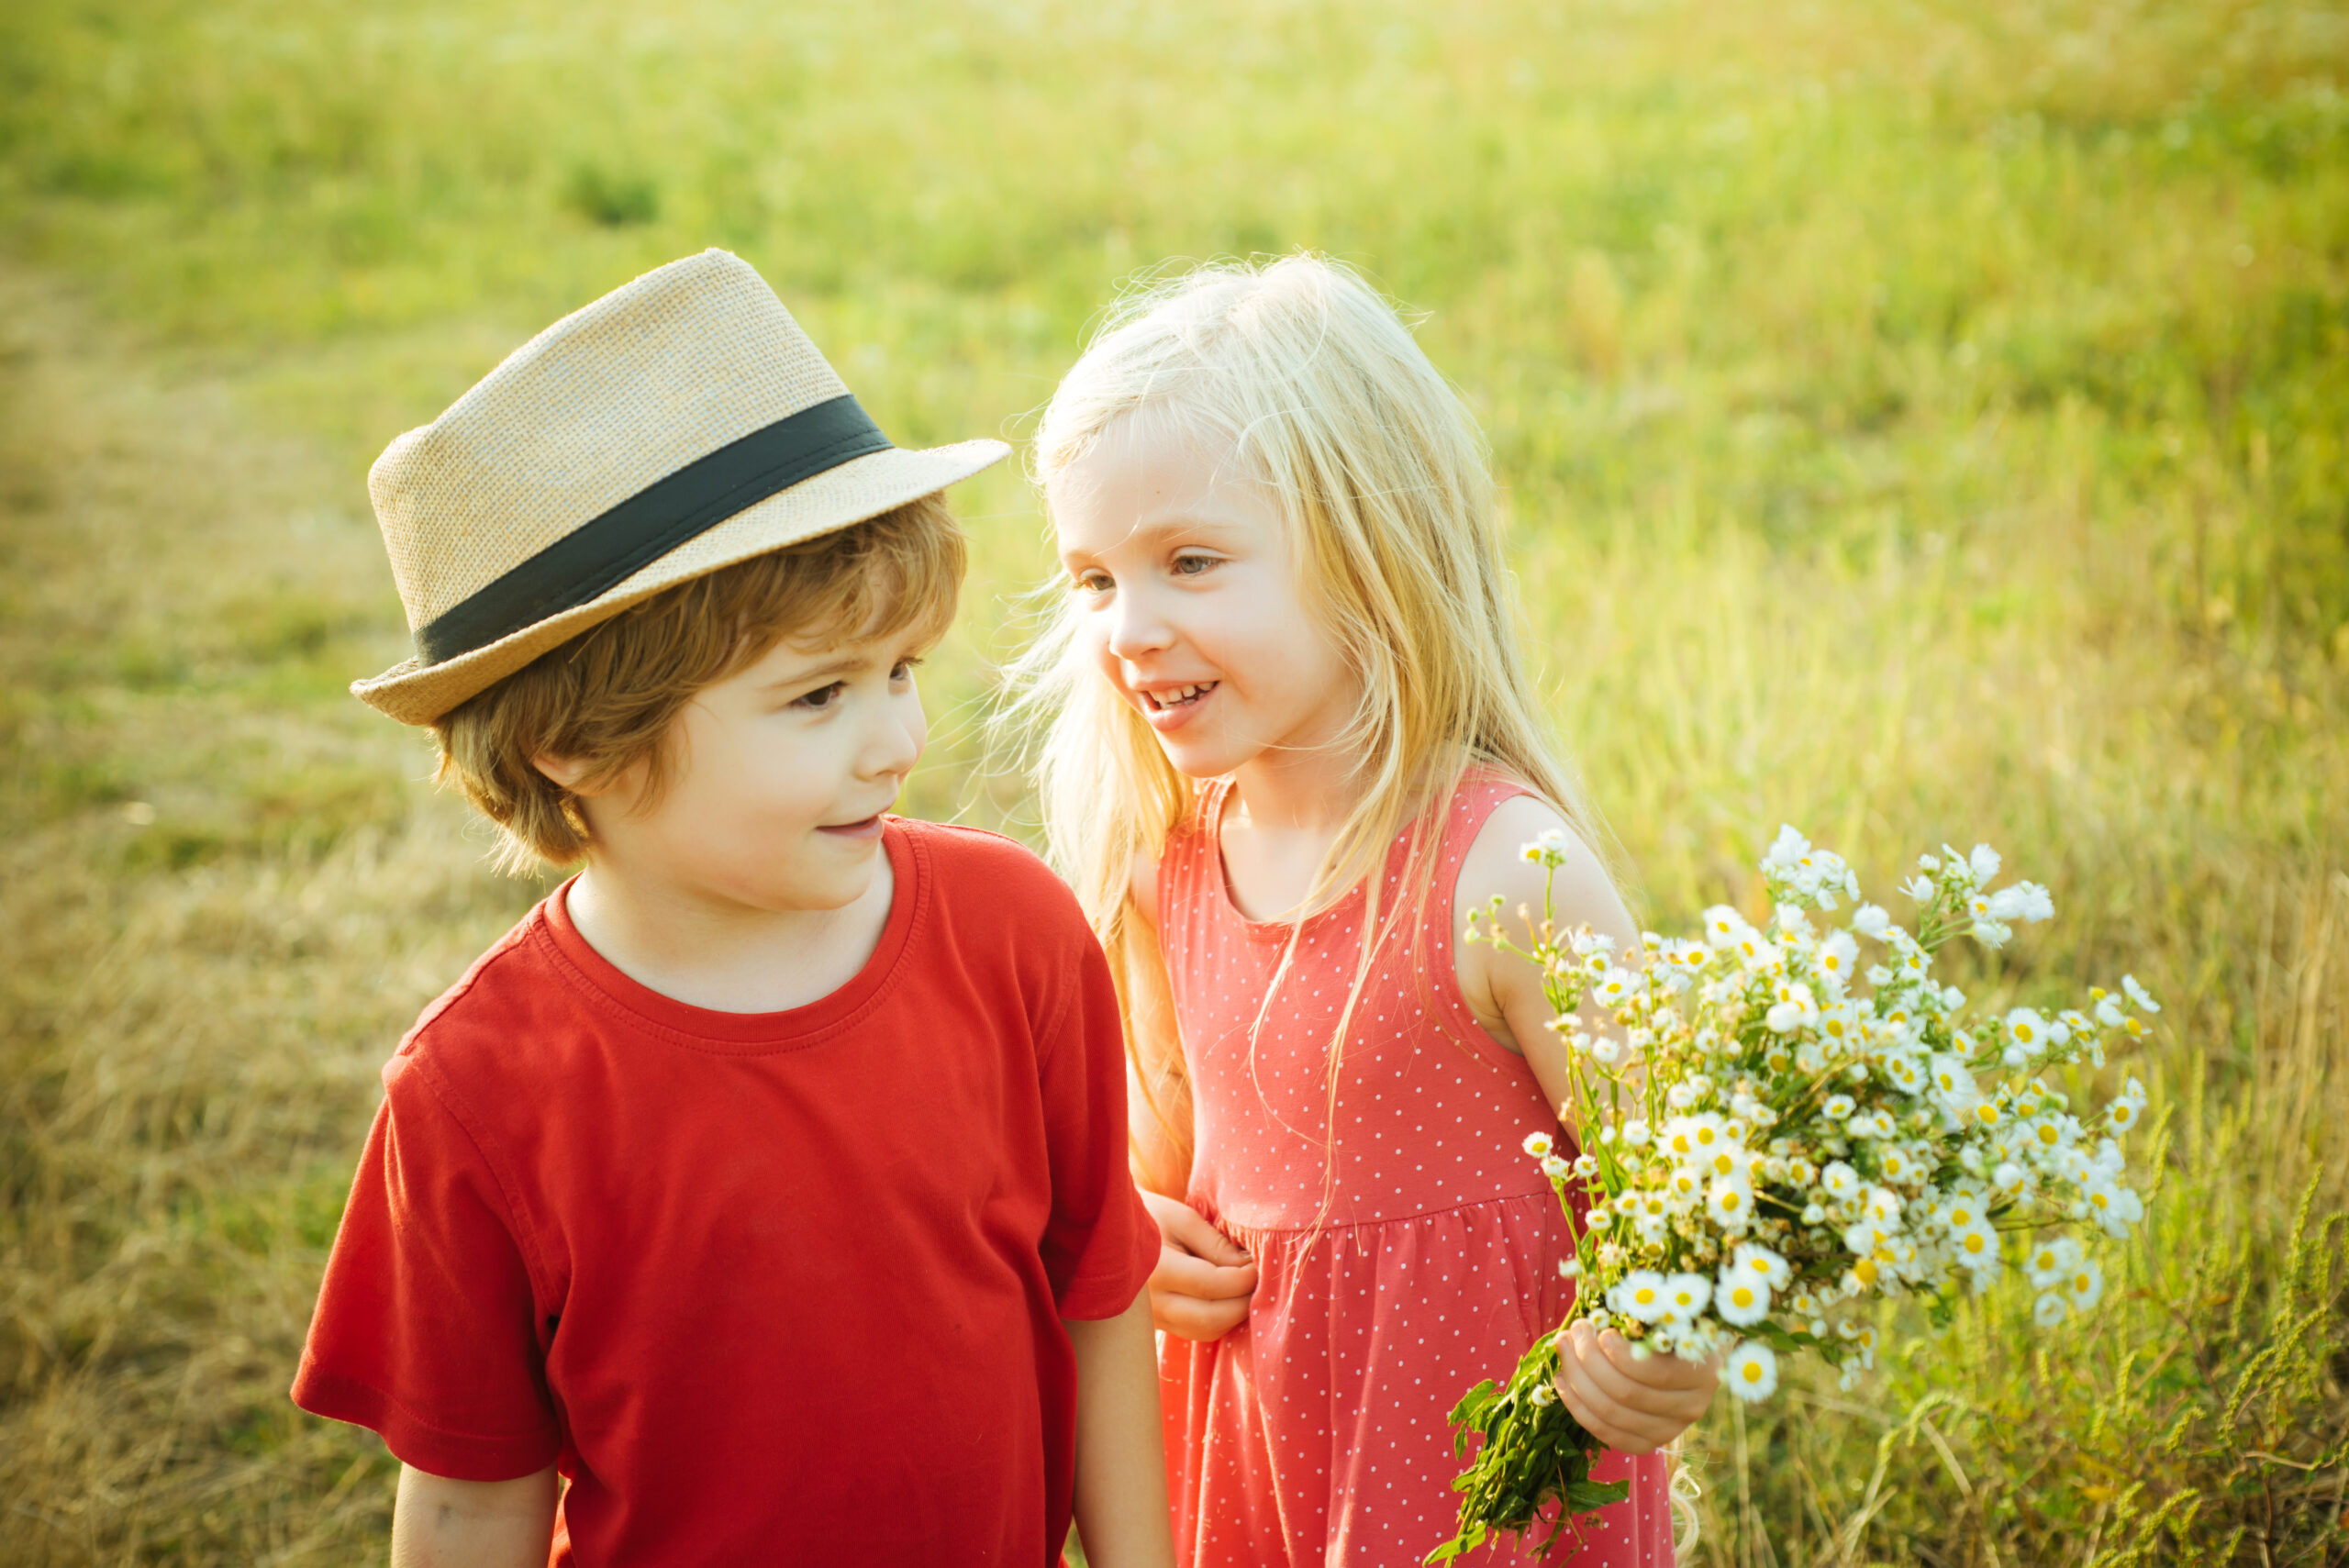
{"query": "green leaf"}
(1586, 1496)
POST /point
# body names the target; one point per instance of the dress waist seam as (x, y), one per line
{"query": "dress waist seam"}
(1330, 1225)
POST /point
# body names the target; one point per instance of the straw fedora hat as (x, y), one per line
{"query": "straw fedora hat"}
(677, 425)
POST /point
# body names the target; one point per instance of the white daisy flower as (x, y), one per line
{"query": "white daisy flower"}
(1740, 1298)
(1863, 1237)
(1685, 1295)
(1538, 1144)
(2049, 1309)
(2139, 995)
(2050, 1259)
(1639, 1295)
(1691, 1137)
(1751, 1371)
(1838, 956)
(1731, 1203)
(1871, 921)
(2025, 901)
(1977, 1246)
(2085, 1285)
(2113, 1207)
(2026, 1029)
(1958, 1212)
(1839, 1180)
(1753, 1257)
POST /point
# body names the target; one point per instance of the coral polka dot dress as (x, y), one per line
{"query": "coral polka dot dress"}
(1314, 1433)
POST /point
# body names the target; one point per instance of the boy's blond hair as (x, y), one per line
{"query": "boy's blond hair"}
(607, 697)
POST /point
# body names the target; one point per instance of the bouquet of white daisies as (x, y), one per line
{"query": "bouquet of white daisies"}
(1787, 1124)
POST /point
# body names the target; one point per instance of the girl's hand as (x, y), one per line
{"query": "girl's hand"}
(1200, 1288)
(1632, 1406)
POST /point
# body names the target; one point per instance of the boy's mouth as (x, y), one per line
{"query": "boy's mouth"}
(1164, 699)
(862, 828)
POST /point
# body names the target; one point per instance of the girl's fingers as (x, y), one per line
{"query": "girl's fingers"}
(1614, 1408)
(1597, 1414)
(1184, 1226)
(1190, 1317)
(1179, 1274)
(1664, 1374)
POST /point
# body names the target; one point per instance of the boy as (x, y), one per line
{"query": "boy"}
(767, 1182)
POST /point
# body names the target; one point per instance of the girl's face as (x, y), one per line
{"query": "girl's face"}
(1195, 610)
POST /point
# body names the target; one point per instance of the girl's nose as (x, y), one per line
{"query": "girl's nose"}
(1136, 627)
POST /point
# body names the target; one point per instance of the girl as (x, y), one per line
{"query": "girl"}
(1292, 745)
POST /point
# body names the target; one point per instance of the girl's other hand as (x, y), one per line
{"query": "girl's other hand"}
(1630, 1405)
(1200, 1288)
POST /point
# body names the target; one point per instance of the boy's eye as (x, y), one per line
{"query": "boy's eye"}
(903, 670)
(1092, 583)
(822, 697)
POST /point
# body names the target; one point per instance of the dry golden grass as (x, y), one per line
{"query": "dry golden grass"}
(188, 1036)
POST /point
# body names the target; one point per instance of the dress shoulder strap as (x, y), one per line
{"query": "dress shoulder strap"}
(1480, 793)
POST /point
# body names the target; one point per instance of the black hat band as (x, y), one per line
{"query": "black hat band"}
(607, 550)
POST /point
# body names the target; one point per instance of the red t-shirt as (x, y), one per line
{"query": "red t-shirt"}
(781, 1287)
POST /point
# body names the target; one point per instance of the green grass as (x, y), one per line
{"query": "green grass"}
(1919, 420)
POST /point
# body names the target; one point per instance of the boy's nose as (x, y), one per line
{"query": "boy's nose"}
(896, 741)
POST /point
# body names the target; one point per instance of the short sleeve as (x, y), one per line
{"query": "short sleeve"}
(427, 1326)
(1100, 1243)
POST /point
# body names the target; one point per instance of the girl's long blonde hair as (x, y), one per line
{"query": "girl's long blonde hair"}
(1314, 383)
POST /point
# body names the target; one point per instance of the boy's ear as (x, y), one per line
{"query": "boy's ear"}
(565, 772)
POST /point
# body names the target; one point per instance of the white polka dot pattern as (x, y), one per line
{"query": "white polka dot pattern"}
(1314, 1433)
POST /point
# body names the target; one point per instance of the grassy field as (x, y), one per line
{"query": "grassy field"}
(1920, 420)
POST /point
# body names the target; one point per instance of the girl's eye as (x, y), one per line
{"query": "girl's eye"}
(1092, 583)
(822, 697)
(1193, 565)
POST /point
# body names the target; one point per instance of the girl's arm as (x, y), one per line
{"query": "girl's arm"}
(1503, 991)
(1201, 1287)
(1631, 1405)
(441, 1523)
(1121, 1513)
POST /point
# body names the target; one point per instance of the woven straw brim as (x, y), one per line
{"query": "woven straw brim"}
(861, 488)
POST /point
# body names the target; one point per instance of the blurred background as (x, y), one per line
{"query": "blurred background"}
(1919, 419)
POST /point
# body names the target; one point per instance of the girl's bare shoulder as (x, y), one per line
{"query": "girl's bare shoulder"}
(1582, 892)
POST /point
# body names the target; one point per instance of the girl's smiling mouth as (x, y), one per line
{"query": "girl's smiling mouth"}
(1169, 699)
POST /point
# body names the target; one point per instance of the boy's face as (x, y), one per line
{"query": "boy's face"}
(777, 778)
